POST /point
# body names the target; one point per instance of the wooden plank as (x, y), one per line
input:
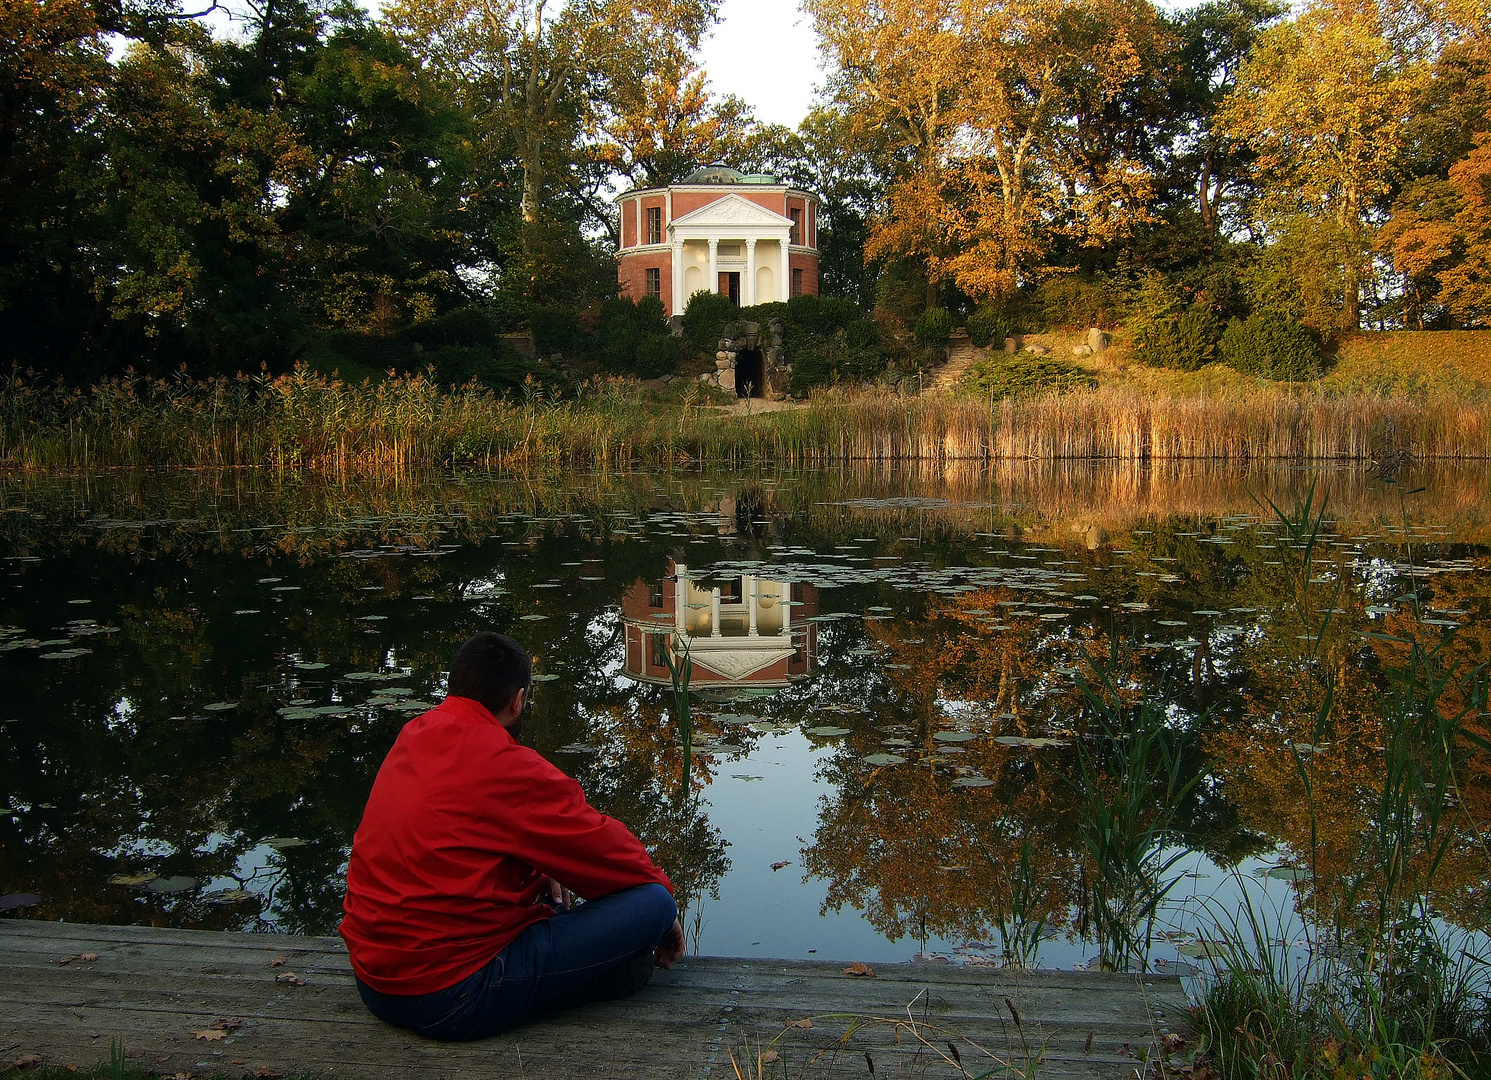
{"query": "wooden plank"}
(154, 987)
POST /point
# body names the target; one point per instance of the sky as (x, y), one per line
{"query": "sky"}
(764, 51)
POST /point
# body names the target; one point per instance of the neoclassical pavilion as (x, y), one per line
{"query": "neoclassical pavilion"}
(745, 235)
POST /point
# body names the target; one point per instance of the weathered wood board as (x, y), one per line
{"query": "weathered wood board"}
(152, 989)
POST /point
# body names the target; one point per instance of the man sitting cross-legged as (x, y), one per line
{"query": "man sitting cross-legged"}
(458, 919)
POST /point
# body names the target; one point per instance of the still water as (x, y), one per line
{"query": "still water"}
(895, 753)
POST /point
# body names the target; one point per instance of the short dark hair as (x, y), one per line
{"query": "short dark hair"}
(490, 668)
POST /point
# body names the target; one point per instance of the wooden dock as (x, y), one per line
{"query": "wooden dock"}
(233, 1004)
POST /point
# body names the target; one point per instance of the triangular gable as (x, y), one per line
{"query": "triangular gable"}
(738, 663)
(731, 210)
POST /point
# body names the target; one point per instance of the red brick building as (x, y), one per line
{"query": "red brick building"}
(746, 236)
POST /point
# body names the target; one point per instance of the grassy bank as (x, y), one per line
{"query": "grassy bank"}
(309, 420)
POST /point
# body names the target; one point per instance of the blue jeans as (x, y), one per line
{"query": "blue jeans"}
(596, 951)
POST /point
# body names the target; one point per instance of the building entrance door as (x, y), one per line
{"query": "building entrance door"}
(730, 286)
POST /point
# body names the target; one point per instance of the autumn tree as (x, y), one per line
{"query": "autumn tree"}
(534, 77)
(662, 127)
(996, 157)
(1323, 100)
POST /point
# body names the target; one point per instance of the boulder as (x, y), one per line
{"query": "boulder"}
(726, 379)
(750, 329)
(1097, 341)
(1081, 350)
(1038, 350)
(1012, 344)
(1096, 537)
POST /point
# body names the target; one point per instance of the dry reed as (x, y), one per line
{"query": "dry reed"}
(304, 420)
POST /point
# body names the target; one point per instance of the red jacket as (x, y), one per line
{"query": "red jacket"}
(461, 827)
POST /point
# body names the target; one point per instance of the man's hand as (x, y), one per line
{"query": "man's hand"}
(561, 898)
(672, 947)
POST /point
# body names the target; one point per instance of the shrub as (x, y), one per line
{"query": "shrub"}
(1073, 302)
(988, 326)
(1001, 376)
(1186, 340)
(555, 330)
(656, 356)
(1272, 345)
(933, 326)
(704, 318)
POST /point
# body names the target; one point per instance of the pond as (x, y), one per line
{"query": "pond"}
(977, 717)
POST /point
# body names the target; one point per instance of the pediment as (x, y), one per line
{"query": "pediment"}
(732, 210)
(739, 663)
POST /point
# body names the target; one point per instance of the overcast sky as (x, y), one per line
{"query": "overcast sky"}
(764, 51)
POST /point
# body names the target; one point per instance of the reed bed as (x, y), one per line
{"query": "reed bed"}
(305, 420)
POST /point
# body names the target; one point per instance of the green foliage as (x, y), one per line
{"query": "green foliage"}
(990, 326)
(555, 330)
(933, 326)
(1075, 301)
(1271, 345)
(703, 318)
(1022, 375)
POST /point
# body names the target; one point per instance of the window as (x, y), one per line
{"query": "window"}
(654, 224)
(796, 225)
(655, 595)
(653, 282)
(659, 650)
(797, 281)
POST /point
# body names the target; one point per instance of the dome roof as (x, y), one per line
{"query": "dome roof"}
(723, 174)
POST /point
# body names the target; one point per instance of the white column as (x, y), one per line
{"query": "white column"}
(754, 586)
(786, 273)
(714, 605)
(668, 211)
(679, 300)
(714, 265)
(638, 204)
(748, 294)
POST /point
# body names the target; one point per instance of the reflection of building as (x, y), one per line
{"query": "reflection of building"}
(743, 632)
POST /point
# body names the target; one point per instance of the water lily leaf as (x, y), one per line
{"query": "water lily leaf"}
(545, 678)
(179, 884)
(955, 736)
(132, 879)
(532, 618)
(827, 730)
(220, 706)
(12, 901)
(1282, 873)
(284, 843)
(1021, 740)
(310, 665)
(228, 896)
(973, 781)
(884, 759)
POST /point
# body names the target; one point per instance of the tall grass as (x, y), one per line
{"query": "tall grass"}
(305, 420)
(1383, 986)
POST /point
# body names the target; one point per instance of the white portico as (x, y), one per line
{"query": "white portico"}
(735, 247)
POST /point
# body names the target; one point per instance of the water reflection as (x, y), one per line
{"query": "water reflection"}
(195, 672)
(745, 634)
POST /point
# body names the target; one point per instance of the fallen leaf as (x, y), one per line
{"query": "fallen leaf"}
(1173, 1040)
(66, 959)
(88, 957)
(236, 1061)
(71, 1067)
(289, 978)
(859, 970)
(26, 1061)
(769, 1056)
(805, 1023)
(278, 961)
(779, 865)
(267, 1074)
(211, 1034)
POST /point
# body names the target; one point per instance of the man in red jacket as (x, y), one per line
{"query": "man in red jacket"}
(458, 917)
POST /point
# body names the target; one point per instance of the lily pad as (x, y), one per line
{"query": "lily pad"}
(827, 730)
(884, 759)
(545, 678)
(133, 880)
(167, 885)
(283, 843)
(228, 896)
(220, 706)
(955, 736)
(973, 781)
(1034, 742)
(12, 901)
